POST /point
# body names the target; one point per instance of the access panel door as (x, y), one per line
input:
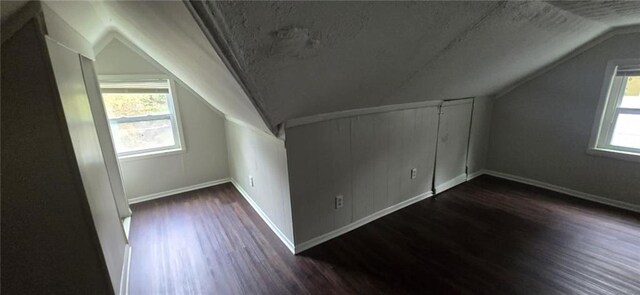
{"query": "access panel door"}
(453, 143)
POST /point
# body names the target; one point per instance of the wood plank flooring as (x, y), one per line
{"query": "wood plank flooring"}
(487, 236)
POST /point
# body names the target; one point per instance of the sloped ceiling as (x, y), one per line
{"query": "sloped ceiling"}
(167, 32)
(306, 58)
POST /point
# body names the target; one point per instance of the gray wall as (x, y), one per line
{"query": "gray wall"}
(253, 152)
(541, 129)
(205, 158)
(480, 131)
(367, 159)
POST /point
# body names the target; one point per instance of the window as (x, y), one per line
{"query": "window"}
(617, 128)
(142, 115)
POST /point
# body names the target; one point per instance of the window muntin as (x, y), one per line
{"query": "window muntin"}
(619, 128)
(142, 116)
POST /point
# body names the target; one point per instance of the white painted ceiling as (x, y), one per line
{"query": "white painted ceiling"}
(306, 58)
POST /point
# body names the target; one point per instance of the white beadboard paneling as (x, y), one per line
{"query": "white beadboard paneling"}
(453, 141)
(369, 163)
(358, 223)
(319, 170)
(367, 159)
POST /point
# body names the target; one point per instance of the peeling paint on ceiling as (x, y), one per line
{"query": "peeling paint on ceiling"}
(306, 58)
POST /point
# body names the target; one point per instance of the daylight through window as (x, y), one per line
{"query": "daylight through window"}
(626, 123)
(618, 130)
(141, 115)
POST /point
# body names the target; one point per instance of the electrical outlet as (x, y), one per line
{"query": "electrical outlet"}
(339, 201)
(414, 173)
(251, 181)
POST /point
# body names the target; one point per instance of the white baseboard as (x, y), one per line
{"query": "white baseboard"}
(349, 227)
(264, 216)
(566, 191)
(177, 191)
(124, 278)
(475, 174)
(451, 183)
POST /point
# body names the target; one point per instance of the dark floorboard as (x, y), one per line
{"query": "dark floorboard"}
(487, 236)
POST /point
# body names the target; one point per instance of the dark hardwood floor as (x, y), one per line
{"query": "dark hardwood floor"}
(487, 236)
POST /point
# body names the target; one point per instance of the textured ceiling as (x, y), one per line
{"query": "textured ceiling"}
(306, 58)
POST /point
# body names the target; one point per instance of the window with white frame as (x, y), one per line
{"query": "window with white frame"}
(142, 115)
(618, 129)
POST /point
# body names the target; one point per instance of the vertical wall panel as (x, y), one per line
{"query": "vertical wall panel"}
(425, 148)
(369, 163)
(480, 132)
(73, 93)
(453, 142)
(319, 170)
(367, 159)
(104, 135)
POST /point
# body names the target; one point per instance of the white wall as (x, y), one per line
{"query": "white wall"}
(367, 159)
(77, 112)
(541, 129)
(205, 158)
(104, 136)
(253, 152)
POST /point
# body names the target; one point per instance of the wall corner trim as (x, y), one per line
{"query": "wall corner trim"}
(451, 183)
(475, 174)
(360, 222)
(124, 280)
(264, 216)
(154, 196)
(360, 112)
(564, 190)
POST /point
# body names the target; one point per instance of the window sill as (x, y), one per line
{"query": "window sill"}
(149, 155)
(620, 155)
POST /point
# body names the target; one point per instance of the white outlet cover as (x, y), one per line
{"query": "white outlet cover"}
(339, 202)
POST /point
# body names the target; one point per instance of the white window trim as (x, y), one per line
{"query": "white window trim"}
(603, 123)
(180, 146)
